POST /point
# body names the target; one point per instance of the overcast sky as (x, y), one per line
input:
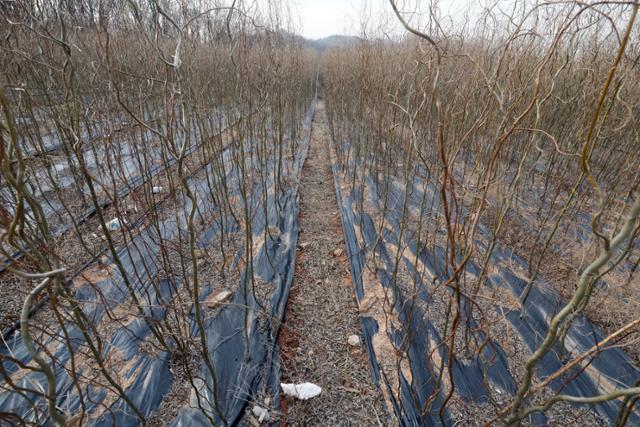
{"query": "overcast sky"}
(322, 18)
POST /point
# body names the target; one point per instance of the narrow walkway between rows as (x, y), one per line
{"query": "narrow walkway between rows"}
(322, 313)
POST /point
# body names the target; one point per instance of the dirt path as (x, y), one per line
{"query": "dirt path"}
(322, 312)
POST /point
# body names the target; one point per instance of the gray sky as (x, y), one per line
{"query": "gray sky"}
(322, 18)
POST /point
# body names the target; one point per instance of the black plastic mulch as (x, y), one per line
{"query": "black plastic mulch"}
(241, 337)
(419, 401)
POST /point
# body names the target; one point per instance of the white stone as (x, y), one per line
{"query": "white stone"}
(354, 340)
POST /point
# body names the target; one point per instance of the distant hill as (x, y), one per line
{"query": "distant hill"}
(332, 41)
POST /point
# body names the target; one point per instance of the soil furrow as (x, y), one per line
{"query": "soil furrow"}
(322, 312)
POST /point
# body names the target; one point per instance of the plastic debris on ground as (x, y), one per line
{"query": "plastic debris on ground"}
(302, 391)
(115, 224)
(260, 413)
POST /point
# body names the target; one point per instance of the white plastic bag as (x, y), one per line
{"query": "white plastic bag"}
(260, 412)
(302, 391)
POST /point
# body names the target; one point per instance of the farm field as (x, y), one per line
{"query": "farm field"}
(210, 217)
